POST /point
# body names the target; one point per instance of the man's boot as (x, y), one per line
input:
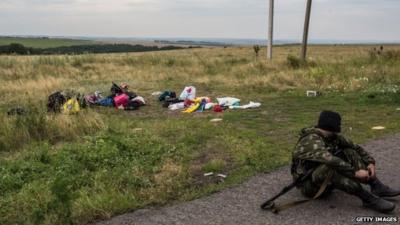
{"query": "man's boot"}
(374, 202)
(381, 190)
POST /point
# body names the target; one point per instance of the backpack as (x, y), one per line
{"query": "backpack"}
(167, 95)
(55, 101)
(115, 89)
(133, 105)
(121, 101)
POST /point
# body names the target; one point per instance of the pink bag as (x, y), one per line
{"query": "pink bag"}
(121, 100)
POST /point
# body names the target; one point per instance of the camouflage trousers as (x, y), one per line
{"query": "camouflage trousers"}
(338, 181)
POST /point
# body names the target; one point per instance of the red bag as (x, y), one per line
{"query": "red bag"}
(121, 100)
(218, 108)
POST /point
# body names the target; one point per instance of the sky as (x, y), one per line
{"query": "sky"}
(330, 19)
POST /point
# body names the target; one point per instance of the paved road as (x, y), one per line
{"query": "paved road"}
(240, 204)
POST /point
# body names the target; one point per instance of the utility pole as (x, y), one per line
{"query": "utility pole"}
(270, 29)
(305, 33)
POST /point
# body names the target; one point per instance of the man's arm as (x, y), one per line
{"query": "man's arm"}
(366, 157)
(312, 148)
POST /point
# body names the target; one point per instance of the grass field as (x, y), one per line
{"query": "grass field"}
(42, 42)
(60, 169)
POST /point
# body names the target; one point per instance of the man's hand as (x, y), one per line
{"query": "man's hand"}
(362, 175)
(372, 171)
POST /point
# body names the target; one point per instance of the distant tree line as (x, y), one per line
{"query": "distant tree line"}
(20, 49)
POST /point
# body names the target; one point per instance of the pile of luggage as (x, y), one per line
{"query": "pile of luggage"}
(70, 102)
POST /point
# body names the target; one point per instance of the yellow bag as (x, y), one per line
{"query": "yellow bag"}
(71, 106)
(192, 108)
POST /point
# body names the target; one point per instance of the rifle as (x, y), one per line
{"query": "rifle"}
(270, 204)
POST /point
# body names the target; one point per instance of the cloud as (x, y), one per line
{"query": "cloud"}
(333, 19)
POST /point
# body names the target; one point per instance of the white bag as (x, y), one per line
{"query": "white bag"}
(177, 106)
(188, 93)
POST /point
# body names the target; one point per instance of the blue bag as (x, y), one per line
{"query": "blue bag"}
(107, 102)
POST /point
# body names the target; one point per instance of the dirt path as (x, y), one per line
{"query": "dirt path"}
(240, 204)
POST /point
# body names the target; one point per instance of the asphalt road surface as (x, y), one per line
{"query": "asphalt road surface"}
(240, 204)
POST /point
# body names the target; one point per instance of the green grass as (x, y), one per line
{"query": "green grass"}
(60, 169)
(42, 42)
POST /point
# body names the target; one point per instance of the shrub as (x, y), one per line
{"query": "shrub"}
(294, 62)
(256, 49)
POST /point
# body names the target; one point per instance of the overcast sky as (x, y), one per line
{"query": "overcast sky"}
(330, 19)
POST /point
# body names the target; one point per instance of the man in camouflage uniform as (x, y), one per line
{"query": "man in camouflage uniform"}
(344, 165)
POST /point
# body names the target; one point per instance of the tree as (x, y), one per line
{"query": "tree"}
(15, 48)
(256, 49)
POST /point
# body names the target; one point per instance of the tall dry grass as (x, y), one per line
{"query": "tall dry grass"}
(28, 80)
(37, 76)
(36, 125)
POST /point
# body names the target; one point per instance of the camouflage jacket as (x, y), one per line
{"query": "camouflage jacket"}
(314, 149)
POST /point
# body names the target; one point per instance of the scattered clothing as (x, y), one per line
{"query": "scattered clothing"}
(198, 104)
(228, 101)
(190, 103)
(251, 105)
(106, 102)
(209, 106)
(140, 99)
(177, 106)
(172, 101)
(202, 106)
(135, 103)
(92, 99)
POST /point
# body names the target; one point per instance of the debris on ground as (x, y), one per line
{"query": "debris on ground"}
(71, 102)
(216, 120)
(378, 128)
(312, 93)
(221, 175)
(251, 105)
(188, 102)
(208, 174)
